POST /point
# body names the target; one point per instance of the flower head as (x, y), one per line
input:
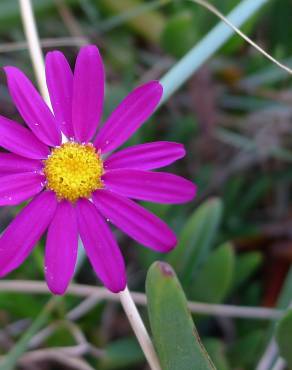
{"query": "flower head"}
(76, 184)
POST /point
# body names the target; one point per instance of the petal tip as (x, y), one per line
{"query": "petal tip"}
(118, 287)
(190, 191)
(57, 290)
(157, 86)
(12, 69)
(194, 191)
(89, 51)
(172, 244)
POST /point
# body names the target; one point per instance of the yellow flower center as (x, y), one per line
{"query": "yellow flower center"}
(73, 171)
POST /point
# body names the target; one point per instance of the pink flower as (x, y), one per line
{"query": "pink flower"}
(77, 186)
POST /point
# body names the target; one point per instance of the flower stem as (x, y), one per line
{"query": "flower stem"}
(139, 329)
(35, 50)
(34, 47)
(39, 69)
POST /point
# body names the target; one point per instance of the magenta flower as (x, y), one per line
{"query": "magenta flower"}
(77, 185)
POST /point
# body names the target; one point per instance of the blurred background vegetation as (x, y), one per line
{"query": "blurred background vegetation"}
(234, 116)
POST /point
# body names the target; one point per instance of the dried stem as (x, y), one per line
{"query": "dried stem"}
(9, 47)
(215, 11)
(39, 287)
(268, 356)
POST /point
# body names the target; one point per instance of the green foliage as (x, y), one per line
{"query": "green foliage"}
(122, 353)
(149, 25)
(245, 266)
(180, 34)
(10, 14)
(284, 337)
(245, 350)
(137, 39)
(175, 336)
(196, 238)
(20, 347)
(213, 280)
(217, 352)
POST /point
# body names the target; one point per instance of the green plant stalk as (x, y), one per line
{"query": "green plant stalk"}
(208, 46)
(20, 347)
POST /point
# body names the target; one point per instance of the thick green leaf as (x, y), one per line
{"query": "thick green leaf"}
(284, 337)
(216, 350)
(175, 336)
(196, 238)
(244, 352)
(214, 279)
(245, 265)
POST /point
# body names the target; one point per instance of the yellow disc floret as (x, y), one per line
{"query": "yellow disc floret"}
(73, 171)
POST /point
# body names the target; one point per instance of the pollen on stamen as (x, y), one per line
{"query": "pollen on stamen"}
(73, 171)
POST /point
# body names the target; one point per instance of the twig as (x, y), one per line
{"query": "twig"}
(62, 355)
(42, 335)
(268, 356)
(82, 308)
(10, 360)
(70, 21)
(39, 287)
(280, 364)
(215, 11)
(47, 43)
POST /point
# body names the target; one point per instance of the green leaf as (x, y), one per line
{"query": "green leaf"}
(284, 337)
(207, 47)
(179, 34)
(214, 279)
(245, 351)
(175, 336)
(122, 353)
(148, 25)
(196, 238)
(216, 350)
(246, 264)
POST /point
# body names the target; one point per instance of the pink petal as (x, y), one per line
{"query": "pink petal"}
(136, 221)
(157, 187)
(60, 84)
(132, 112)
(16, 188)
(13, 163)
(61, 248)
(20, 140)
(32, 107)
(25, 230)
(101, 247)
(146, 156)
(88, 93)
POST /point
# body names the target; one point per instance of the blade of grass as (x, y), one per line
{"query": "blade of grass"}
(208, 46)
